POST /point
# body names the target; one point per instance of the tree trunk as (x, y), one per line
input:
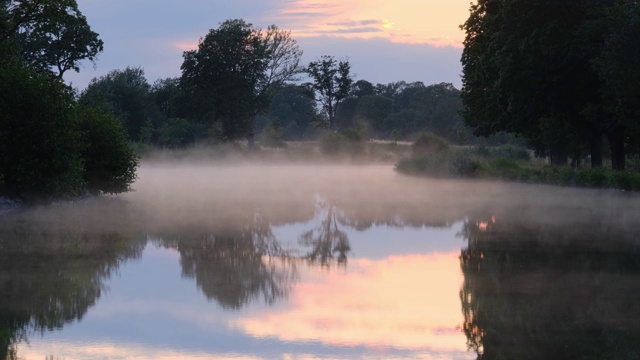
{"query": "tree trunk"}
(559, 155)
(595, 144)
(331, 115)
(616, 139)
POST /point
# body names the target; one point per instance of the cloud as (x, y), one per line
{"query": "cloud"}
(432, 22)
(356, 23)
(385, 41)
(355, 30)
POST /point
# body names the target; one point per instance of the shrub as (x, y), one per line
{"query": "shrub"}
(512, 152)
(593, 177)
(174, 133)
(428, 143)
(441, 164)
(109, 162)
(272, 136)
(39, 144)
(503, 168)
(334, 143)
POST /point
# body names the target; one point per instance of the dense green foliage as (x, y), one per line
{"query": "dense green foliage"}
(50, 147)
(234, 74)
(109, 162)
(126, 94)
(39, 143)
(52, 35)
(555, 73)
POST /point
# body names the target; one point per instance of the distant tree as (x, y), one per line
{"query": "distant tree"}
(294, 110)
(331, 83)
(127, 94)
(234, 74)
(374, 110)
(362, 88)
(53, 36)
(390, 90)
(168, 97)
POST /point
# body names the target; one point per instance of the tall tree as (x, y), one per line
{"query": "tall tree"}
(619, 68)
(49, 149)
(331, 83)
(53, 35)
(528, 69)
(234, 74)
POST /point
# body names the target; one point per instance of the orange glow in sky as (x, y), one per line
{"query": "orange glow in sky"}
(433, 22)
(405, 302)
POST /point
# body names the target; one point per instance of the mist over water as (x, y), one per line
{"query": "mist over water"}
(322, 261)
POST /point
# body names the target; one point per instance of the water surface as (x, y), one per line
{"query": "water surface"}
(322, 262)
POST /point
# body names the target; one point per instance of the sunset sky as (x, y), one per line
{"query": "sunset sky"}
(384, 40)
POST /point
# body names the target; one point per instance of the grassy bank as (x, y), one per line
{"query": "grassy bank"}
(513, 164)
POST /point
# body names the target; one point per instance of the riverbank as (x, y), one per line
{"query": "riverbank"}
(509, 163)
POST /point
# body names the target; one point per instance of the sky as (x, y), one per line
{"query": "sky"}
(383, 40)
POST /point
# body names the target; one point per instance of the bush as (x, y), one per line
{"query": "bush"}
(428, 143)
(512, 152)
(441, 164)
(272, 136)
(174, 133)
(109, 162)
(39, 143)
(503, 168)
(593, 177)
(334, 143)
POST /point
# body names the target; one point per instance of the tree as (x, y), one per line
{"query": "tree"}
(618, 66)
(127, 94)
(109, 162)
(53, 36)
(294, 110)
(168, 97)
(39, 143)
(537, 69)
(234, 74)
(45, 153)
(331, 84)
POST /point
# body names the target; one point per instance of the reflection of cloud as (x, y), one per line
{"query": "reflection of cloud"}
(404, 302)
(73, 351)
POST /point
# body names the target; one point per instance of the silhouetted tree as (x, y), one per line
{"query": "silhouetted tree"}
(234, 74)
(331, 83)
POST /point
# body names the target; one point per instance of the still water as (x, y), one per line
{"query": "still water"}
(207, 261)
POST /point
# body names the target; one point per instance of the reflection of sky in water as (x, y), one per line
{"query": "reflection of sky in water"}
(397, 298)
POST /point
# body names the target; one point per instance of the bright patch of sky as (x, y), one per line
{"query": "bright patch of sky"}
(385, 41)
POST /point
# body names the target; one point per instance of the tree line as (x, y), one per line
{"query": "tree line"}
(246, 83)
(561, 74)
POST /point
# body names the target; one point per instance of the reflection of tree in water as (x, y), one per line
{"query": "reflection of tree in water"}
(327, 241)
(558, 291)
(238, 266)
(52, 270)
